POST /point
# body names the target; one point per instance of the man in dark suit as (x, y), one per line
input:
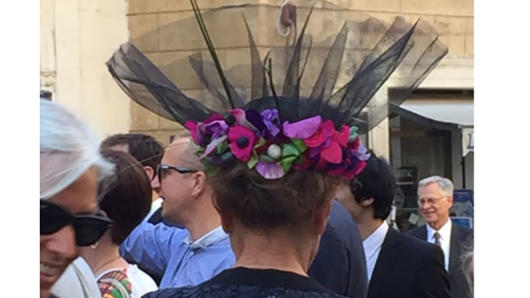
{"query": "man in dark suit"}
(341, 250)
(398, 266)
(435, 198)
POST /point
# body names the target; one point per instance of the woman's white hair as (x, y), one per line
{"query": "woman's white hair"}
(68, 148)
(445, 185)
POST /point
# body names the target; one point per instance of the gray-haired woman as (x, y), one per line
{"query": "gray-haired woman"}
(70, 168)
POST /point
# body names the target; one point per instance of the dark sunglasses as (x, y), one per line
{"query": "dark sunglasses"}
(88, 227)
(163, 169)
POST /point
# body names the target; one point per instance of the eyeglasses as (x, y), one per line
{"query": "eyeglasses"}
(163, 169)
(88, 227)
(432, 201)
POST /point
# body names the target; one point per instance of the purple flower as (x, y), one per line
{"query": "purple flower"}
(270, 170)
(302, 129)
(254, 118)
(271, 119)
(214, 129)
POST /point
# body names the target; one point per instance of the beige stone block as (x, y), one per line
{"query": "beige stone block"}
(179, 31)
(470, 26)
(438, 7)
(453, 25)
(143, 119)
(456, 45)
(176, 66)
(169, 124)
(376, 5)
(388, 18)
(144, 31)
(470, 46)
(150, 6)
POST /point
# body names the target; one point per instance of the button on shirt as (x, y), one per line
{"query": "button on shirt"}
(169, 251)
(445, 239)
(372, 248)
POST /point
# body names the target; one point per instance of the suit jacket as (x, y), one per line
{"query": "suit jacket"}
(460, 238)
(408, 268)
(340, 264)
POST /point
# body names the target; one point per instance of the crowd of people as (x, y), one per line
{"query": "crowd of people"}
(272, 197)
(103, 225)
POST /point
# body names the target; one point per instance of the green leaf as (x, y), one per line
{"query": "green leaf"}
(221, 147)
(287, 163)
(290, 150)
(252, 161)
(265, 158)
(299, 144)
(209, 168)
(260, 143)
(354, 132)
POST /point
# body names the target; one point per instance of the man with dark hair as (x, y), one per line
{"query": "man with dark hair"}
(148, 152)
(397, 265)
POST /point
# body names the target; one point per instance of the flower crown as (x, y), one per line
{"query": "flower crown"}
(261, 141)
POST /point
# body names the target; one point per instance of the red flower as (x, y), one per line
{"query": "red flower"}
(241, 141)
(330, 140)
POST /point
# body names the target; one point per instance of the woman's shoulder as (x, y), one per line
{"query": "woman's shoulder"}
(141, 282)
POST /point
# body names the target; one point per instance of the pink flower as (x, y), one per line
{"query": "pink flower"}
(241, 141)
(302, 129)
(192, 127)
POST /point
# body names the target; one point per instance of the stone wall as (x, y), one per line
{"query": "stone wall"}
(76, 38)
(152, 29)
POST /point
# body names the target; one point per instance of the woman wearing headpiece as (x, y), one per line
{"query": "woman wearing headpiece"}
(70, 167)
(126, 202)
(275, 159)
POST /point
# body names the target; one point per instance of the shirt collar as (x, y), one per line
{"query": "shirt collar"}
(207, 239)
(375, 240)
(444, 231)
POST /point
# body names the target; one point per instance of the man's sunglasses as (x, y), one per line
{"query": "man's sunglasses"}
(163, 169)
(88, 227)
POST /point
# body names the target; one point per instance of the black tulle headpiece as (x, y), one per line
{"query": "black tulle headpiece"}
(300, 105)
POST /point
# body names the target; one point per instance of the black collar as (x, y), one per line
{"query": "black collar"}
(266, 278)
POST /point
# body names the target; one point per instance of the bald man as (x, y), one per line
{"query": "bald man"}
(185, 257)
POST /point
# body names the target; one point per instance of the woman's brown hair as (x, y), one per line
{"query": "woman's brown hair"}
(128, 199)
(266, 204)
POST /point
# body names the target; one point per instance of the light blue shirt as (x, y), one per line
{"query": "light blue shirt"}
(168, 251)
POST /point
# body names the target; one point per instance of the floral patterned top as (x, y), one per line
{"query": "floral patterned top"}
(115, 284)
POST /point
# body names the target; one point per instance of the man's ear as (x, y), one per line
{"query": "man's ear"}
(320, 217)
(366, 202)
(199, 183)
(150, 172)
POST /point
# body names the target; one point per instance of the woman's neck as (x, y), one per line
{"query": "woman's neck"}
(103, 256)
(275, 250)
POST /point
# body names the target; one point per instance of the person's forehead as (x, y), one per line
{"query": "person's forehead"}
(175, 149)
(80, 196)
(120, 147)
(430, 189)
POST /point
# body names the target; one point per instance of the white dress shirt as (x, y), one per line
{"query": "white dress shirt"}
(154, 206)
(445, 239)
(372, 246)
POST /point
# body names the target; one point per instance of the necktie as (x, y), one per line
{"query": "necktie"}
(437, 239)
